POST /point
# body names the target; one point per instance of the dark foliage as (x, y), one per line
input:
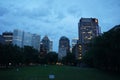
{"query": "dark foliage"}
(104, 52)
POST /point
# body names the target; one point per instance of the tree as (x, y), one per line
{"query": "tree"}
(69, 59)
(104, 52)
(52, 57)
(30, 55)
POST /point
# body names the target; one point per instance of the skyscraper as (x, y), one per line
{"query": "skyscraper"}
(18, 37)
(88, 28)
(74, 42)
(8, 36)
(21, 39)
(51, 45)
(64, 47)
(36, 41)
(46, 43)
(27, 39)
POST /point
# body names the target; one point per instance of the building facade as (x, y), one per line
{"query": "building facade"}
(36, 41)
(27, 39)
(74, 42)
(18, 37)
(88, 28)
(8, 36)
(64, 47)
(21, 39)
(51, 45)
(46, 43)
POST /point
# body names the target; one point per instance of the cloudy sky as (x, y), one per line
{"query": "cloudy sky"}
(56, 18)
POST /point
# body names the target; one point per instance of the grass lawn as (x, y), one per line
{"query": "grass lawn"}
(60, 72)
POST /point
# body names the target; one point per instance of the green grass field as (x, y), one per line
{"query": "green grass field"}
(60, 72)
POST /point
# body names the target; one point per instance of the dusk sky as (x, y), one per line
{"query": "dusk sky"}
(56, 18)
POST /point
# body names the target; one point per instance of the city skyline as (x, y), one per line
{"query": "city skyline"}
(56, 18)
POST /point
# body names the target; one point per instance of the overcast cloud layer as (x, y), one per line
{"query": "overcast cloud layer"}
(56, 18)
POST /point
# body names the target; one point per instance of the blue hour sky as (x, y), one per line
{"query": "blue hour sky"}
(56, 18)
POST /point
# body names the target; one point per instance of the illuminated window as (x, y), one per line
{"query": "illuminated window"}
(79, 57)
(79, 46)
(96, 20)
(83, 32)
(90, 32)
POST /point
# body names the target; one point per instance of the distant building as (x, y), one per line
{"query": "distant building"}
(21, 39)
(46, 43)
(74, 42)
(64, 47)
(51, 45)
(8, 36)
(77, 50)
(36, 41)
(27, 39)
(43, 51)
(88, 28)
(2, 40)
(18, 37)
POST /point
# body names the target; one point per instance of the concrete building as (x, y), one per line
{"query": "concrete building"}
(88, 28)
(51, 45)
(64, 47)
(77, 50)
(8, 36)
(74, 42)
(46, 43)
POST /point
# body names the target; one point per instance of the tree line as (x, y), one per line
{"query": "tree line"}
(12, 55)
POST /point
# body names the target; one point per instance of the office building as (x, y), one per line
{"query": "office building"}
(64, 47)
(51, 45)
(18, 37)
(74, 42)
(36, 41)
(46, 43)
(8, 36)
(21, 39)
(88, 28)
(27, 39)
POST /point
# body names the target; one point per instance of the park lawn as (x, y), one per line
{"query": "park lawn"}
(60, 72)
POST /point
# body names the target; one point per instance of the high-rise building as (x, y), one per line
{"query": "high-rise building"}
(74, 42)
(18, 37)
(27, 39)
(36, 41)
(21, 39)
(46, 43)
(8, 36)
(88, 28)
(64, 47)
(51, 45)
(77, 50)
